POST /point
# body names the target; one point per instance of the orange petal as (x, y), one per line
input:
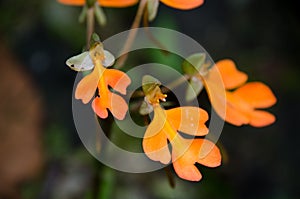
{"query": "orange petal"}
(87, 86)
(227, 106)
(212, 153)
(158, 122)
(257, 94)
(216, 91)
(232, 77)
(189, 120)
(184, 156)
(261, 118)
(186, 172)
(118, 80)
(235, 117)
(99, 109)
(237, 110)
(156, 146)
(183, 161)
(155, 139)
(117, 106)
(72, 2)
(183, 4)
(117, 3)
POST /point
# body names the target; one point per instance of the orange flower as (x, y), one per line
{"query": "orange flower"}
(101, 78)
(178, 4)
(103, 3)
(152, 5)
(183, 4)
(185, 152)
(242, 104)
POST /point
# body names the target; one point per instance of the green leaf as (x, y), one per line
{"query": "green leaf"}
(193, 89)
(193, 63)
(152, 6)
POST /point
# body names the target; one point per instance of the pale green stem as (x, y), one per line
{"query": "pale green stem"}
(175, 83)
(132, 34)
(89, 25)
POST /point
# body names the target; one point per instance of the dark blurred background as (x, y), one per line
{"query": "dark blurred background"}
(41, 155)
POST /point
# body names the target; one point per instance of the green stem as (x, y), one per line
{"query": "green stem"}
(175, 83)
(170, 176)
(90, 23)
(151, 36)
(132, 34)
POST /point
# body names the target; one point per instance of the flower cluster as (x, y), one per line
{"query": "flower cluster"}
(175, 135)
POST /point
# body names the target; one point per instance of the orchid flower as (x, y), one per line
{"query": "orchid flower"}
(99, 79)
(97, 7)
(242, 100)
(165, 126)
(152, 6)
